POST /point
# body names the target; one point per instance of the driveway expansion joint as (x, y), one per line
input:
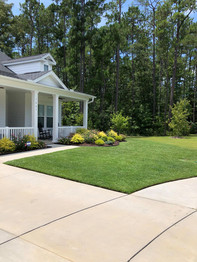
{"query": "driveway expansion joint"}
(61, 218)
(162, 201)
(164, 231)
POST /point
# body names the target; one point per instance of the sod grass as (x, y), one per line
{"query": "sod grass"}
(133, 165)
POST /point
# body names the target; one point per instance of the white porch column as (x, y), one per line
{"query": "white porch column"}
(55, 117)
(85, 114)
(34, 111)
(60, 113)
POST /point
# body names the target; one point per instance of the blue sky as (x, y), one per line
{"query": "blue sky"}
(16, 6)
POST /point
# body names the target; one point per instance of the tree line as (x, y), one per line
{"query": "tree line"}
(139, 63)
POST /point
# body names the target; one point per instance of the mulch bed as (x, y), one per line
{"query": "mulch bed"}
(116, 143)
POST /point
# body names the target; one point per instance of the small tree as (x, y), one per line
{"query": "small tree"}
(179, 123)
(119, 122)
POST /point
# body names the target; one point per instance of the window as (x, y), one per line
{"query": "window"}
(40, 115)
(46, 67)
(49, 116)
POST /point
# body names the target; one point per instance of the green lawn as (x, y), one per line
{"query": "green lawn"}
(138, 163)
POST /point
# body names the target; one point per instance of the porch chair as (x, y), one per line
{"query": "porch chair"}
(44, 134)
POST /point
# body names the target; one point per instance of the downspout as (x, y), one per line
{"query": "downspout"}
(92, 100)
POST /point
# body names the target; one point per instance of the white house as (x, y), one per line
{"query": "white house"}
(31, 94)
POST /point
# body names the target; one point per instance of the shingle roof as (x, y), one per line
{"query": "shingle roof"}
(4, 70)
(33, 76)
(26, 58)
(3, 57)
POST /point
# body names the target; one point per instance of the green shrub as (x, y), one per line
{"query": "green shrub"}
(109, 138)
(102, 135)
(81, 131)
(99, 142)
(90, 137)
(77, 139)
(41, 144)
(64, 141)
(32, 139)
(179, 123)
(109, 142)
(119, 138)
(6, 145)
(79, 119)
(21, 143)
(123, 137)
(112, 133)
(119, 122)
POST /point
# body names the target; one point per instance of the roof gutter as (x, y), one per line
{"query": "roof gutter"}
(92, 100)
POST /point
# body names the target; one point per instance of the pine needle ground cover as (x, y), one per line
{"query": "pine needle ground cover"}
(133, 165)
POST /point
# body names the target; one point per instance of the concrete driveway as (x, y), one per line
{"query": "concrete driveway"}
(43, 218)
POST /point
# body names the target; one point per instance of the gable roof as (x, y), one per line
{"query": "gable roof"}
(39, 76)
(3, 56)
(4, 70)
(29, 59)
(54, 77)
(33, 76)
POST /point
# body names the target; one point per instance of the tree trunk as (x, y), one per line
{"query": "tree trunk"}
(65, 80)
(154, 69)
(167, 97)
(118, 62)
(174, 69)
(194, 102)
(82, 49)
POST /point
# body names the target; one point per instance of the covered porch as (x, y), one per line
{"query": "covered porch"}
(24, 108)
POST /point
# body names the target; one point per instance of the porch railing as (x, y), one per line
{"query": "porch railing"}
(65, 131)
(11, 132)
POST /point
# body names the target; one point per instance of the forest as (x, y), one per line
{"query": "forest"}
(139, 62)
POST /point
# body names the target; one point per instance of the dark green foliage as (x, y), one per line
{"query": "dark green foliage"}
(138, 62)
(193, 128)
(65, 141)
(179, 123)
(71, 114)
(119, 123)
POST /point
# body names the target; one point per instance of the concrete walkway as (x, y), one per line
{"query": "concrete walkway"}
(44, 218)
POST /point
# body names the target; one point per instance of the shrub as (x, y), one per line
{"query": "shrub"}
(6, 145)
(112, 133)
(119, 138)
(119, 122)
(123, 137)
(90, 137)
(179, 123)
(193, 128)
(64, 141)
(81, 131)
(77, 139)
(109, 138)
(32, 139)
(102, 135)
(21, 142)
(99, 142)
(41, 144)
(109, 142)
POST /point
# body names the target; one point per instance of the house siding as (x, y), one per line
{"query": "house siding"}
(2, 107)
(48, 81)
(15, 109)
(27, 67)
